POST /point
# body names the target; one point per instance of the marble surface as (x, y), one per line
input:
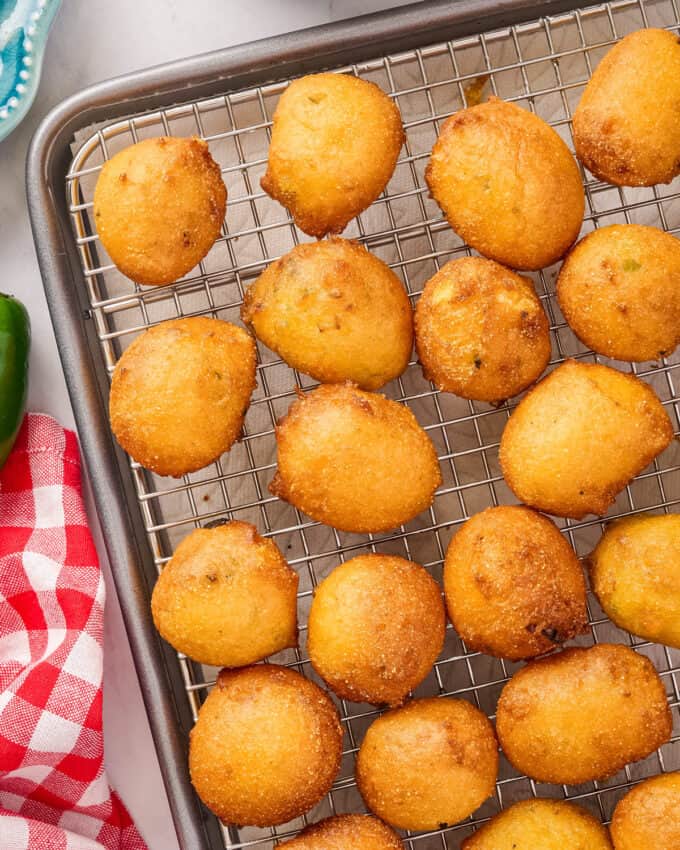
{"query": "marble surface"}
(91, 41)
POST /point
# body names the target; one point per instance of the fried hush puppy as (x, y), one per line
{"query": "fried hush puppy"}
(541, 824)
(376, 627)
(648, 817)
(626, 128)
(333, 311)
(428, 764)
(266, 746)
(507, 184)
(514, 587)
(481, 331)
(227, 597)
(335, 143)
(354, 460)
(346, 832)
(180, 391)
(577, 439)
(158, 207)
(619, 290)
(635, 573)
(582, 714)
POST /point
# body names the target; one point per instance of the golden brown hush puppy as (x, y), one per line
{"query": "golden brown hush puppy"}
(334, 146)
(635, 573)
(619, 289)
(180, 391)
(158, 207)
(227, 597)
(354, 460)
(582, 714)
(266, 746)
(580, 436)
(335, 312)
(507, 184)
(541, 825)
(514, 587)
(346, 832)
(648, 817)
(376, 627)
(481, 331)
(626, 128)
(428, 764)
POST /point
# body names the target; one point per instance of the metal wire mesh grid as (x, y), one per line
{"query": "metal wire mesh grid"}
(542, 65)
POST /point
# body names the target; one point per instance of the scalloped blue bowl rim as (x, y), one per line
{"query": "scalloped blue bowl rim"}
(31, 36)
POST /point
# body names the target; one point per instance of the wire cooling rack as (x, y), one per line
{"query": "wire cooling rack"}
(543, 66)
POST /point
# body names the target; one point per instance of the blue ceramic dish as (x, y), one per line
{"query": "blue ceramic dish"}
(24, 25)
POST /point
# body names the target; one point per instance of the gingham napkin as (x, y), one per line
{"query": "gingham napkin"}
(54, 794)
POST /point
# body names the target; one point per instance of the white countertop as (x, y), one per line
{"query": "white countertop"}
(92, 40)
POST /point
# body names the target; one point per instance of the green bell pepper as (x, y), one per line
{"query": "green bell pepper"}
(15, 340)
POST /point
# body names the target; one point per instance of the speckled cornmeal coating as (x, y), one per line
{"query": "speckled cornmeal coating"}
(626, 128)
(635, 573)
(579, 436)
(335, 143)
(180, 391)
(648, 817)
(159, 206)
(333, 311)
(513, 584)
(227, 597)
(431, 762)
(582, 714)
(481, 331)
(507, 184)
(266, 746)
(376, 627)
(354, 460)
(346, 832)
(619, 289)
(541, 825)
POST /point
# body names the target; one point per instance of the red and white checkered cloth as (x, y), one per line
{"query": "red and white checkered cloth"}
(54, 794)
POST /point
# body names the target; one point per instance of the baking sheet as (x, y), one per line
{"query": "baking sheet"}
(542, 66)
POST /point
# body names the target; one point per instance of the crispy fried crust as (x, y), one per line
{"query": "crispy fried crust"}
(266, 746)
(180, 391)
(626, 128)
(159, 206)
(376, 627)
(514, 587)
(227, 597)
(541, 825)
(333, 311)
(635, 573)
(582, 714)
(579, 436)
(335, 143)
(507, 184)
(430, 763)
(346, 832)
(619, 289)
(354, 460)
(481, 331)
(647, 817)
